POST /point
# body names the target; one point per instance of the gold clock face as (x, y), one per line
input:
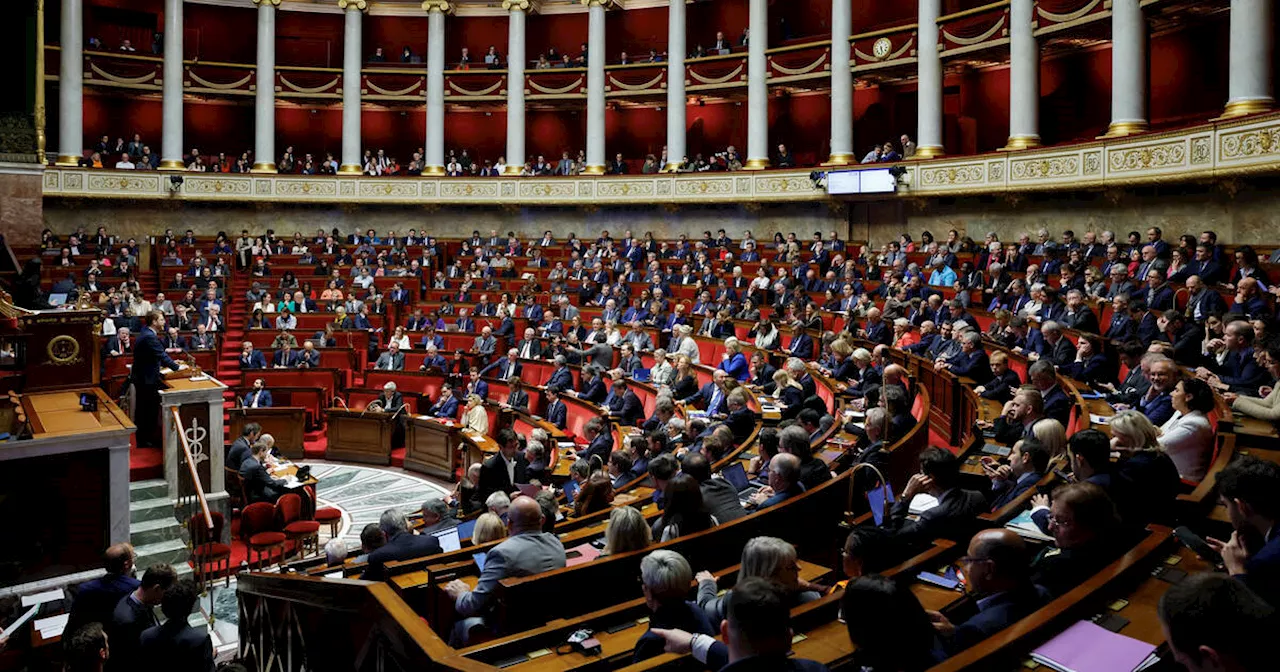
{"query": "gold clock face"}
(881, 48)
(64, 350)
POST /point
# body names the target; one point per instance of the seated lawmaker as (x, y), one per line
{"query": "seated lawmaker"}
(1087, 537)
(768, 558)
(1215, 622)
(1250, 488)
(996, 574)
(1188, 437)
(1268, 407)
(400, 544)
(447, 405)
(258, 397)
(391, 360)
(1017, 417)
(784, 482)
(284, 358)
(526, 551)
(1028, 462)
(956, 511)
(557, 412)
(1004, 380)
(250, 358)
(476, 418)
(259, 485)
(664, 579)
(971, 362)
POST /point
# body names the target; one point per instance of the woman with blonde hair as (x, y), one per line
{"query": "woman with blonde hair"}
(489, 527)
(627, 531)
(475, 418)
(1052, 434)
(787, 390)
(1144, 462)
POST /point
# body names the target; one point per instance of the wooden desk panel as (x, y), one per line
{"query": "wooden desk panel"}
(431, 447)
(356, 437)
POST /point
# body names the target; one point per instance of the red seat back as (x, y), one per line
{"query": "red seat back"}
(288, 509)
(255, 518)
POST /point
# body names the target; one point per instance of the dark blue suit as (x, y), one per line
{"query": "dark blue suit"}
(879, 333)
(801, 346)
(972, 365)
(1121, 329)
(736, 367)
(685, 616)
(706, 395)
(600, 446)
(1058, 406)
(594, 391)
(95, 600)
(148, 357)
(1005, 492)
(560, 380)
(1256, 306)
(996, 613)
(264, 400)
(1158, 409)
(557, 414)
(446, 408)
(1262, 571)
(281, 358)
(1001, 389)
(630, 410)
(1242, 373)
(403, 546)
(1204, 304)
(254, 360)
(176, 646)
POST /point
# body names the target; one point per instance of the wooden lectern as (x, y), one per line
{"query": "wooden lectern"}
(286, 424)
(360, 436)
(430, 447)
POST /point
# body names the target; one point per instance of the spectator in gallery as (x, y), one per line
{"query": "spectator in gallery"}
(908, 146)
(492, 59)
(872, 156)
(464, 60)
(618, 166)
(650, 166)
(785, 158)
(889, 154)
(378, 56)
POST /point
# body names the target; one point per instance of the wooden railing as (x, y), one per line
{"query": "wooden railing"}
(190, 491)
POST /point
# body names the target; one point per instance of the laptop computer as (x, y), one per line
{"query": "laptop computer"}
(465, 528)
(640, 375)
(56, 300)
(449, 539)
(737, 477)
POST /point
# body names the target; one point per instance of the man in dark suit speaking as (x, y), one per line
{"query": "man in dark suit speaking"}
(501, 472)
(148, 356)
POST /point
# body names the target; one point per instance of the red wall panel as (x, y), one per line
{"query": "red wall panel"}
(803, 124)
(227, 34)
(310, 130)
(704, 19)
(715, 126)
(120, 117)
(1075, 96)
(475, 33)
(309, 39)
(873, 118)
(394, 33)
(635, 132)
(398, 132)
(1189, 73)
(218, 127)
(636, 31)
(869, 15)
(984, 108)
(565, 32)
(550, 132)
(802, 20)
(482, 133)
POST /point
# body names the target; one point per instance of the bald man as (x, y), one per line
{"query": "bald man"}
(997, 570)
(527, 551)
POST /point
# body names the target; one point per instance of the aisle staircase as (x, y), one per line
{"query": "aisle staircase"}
(228, 372)
(155, 533)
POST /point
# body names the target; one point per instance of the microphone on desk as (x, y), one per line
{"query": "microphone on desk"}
(340, 401)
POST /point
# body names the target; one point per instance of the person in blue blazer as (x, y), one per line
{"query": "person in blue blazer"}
(476, 386)
(972, 361)
(447, 405)
(504, 369)
(1158, 295)
(593, 390)
(259, 396)
(1250, 486)
(1056, 403)
(466, 325)
(734, 363)
(1027, 464)
(251, 358)
(1001, 585)
(876, 329)
(284, 358)
(561, 378)
(401, 544)
(557, 413)
(434, 360)
(801, 346)
(1090, 364)
(599, 440)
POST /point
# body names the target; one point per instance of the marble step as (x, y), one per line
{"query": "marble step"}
(150, 509)
(155, 488)
(172, 552)
(152, 531)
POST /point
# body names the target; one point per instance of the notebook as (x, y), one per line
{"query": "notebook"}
(921, 503)
(1088, 647)
(449, 539)
(1027, 528)
(876, 497)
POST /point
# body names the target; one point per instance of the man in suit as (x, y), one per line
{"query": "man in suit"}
(134, 614)
(503, 471)
(996, 571)
(401, 544)
(801, 345)
(1202, 301)
(475, 385)
(526, 551)
(447, 405)
(148, 357)
(392, 359)
(1158, 295)
(1214, 622)
(1056, 403)
(202, 339)
(784, 482)
(250, 358)
(284, 357)
(173, 342)
(241, 448)
(629, 409)
(259, 485)
(308, 357)
(971, 362)
(180, 646)
(95, 600)
(711, 396)
(1027, 463)
(434, 360)
(1003, 382)
(1250, 489)
(876, 329)
(517, 398)
(258, 397)
(957, 509)
(485, 344)
(1078, 315)
(1087, 536)
(741, 420)
(1238, 370)
(506, 368)
(557, 413)
(1058, 350)
(718, 496)
(599, 440)
(529, 347)
(561, 378)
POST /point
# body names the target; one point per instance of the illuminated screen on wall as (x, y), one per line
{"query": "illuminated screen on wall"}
(873, 181)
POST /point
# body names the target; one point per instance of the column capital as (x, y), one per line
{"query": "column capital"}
(607, 4)
(445, 6)
(361, 5)
(273, 3)
(531, 6)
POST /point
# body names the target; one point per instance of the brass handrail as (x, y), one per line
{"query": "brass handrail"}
(191, 468)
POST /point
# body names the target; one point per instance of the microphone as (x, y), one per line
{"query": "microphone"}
(340, 401)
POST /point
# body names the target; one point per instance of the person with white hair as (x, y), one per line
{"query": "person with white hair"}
(768, 558)
(686, 345)
(401, 545)
(664, 579)
(335, 552)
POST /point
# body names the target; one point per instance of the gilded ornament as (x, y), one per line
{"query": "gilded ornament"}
(63, 350)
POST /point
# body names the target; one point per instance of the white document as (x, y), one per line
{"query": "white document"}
(921, 503)
(41, 598)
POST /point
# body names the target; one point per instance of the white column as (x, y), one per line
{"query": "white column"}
(929, 96)
(264, 101)
(676, 117)
(1024, 78)
(595, 87)
(352, 57)
(757, 88)
(515, 83)
(841, 84)
(1128, 69)
(434, 160)
(71, 87)
(171, 105)
(1251, 62)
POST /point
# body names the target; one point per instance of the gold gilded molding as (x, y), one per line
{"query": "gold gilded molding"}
(929, 152)
(361, 5)
(522, 5)
(756, 164)
(273, 3)
(445, 6)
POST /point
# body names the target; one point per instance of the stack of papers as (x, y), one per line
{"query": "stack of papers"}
(1027, 528)
(1099, 419)
(1088, 647)
(921, 503)
(40, 598)
(51, 627)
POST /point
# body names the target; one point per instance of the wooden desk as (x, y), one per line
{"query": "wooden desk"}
(286, 424)
(58, 413)
(359, 437)
(431, 446)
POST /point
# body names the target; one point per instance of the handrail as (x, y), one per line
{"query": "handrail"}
(191, 468)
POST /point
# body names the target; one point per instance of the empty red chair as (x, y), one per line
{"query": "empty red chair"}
(258, 533)
(303, 533)
(209, 556)
(326, 515)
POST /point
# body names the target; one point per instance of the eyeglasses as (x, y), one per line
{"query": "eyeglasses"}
(969, 560)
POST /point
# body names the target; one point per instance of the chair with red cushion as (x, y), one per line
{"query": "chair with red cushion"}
(305, 534)
(324, 515)
(207, 550)
(257, 530)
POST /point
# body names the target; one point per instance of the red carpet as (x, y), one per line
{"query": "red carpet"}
(936, 439)
(315, 442)
(144, 463)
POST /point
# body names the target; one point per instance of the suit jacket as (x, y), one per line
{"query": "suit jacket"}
(1082, 320)
(237, 452)
(175, 646)
(879, 333)
(391, 362)
(128, 621)
(632, 410)
(518, 399)
(1003, 492)
(1204, 304)
(503, 368)
(742, 422)
(972, 364)
(1057, 405)
(402, 546)
(524, 554)
(259, 486)
(1158, 409)
(494, 477)
(281, 358)
(601, 447)
(685, 615)
(254, 360)
(995, 614)
(148, 356)
(1241, 372)
(594, 391)
(953, 518)
(264, 400)
(1262, 571)
(1062, 353)
(445, 408)
(801, 346)
(721, 500)
(1002, 388)
(96, 600)
(557, 414)
(560, 380)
